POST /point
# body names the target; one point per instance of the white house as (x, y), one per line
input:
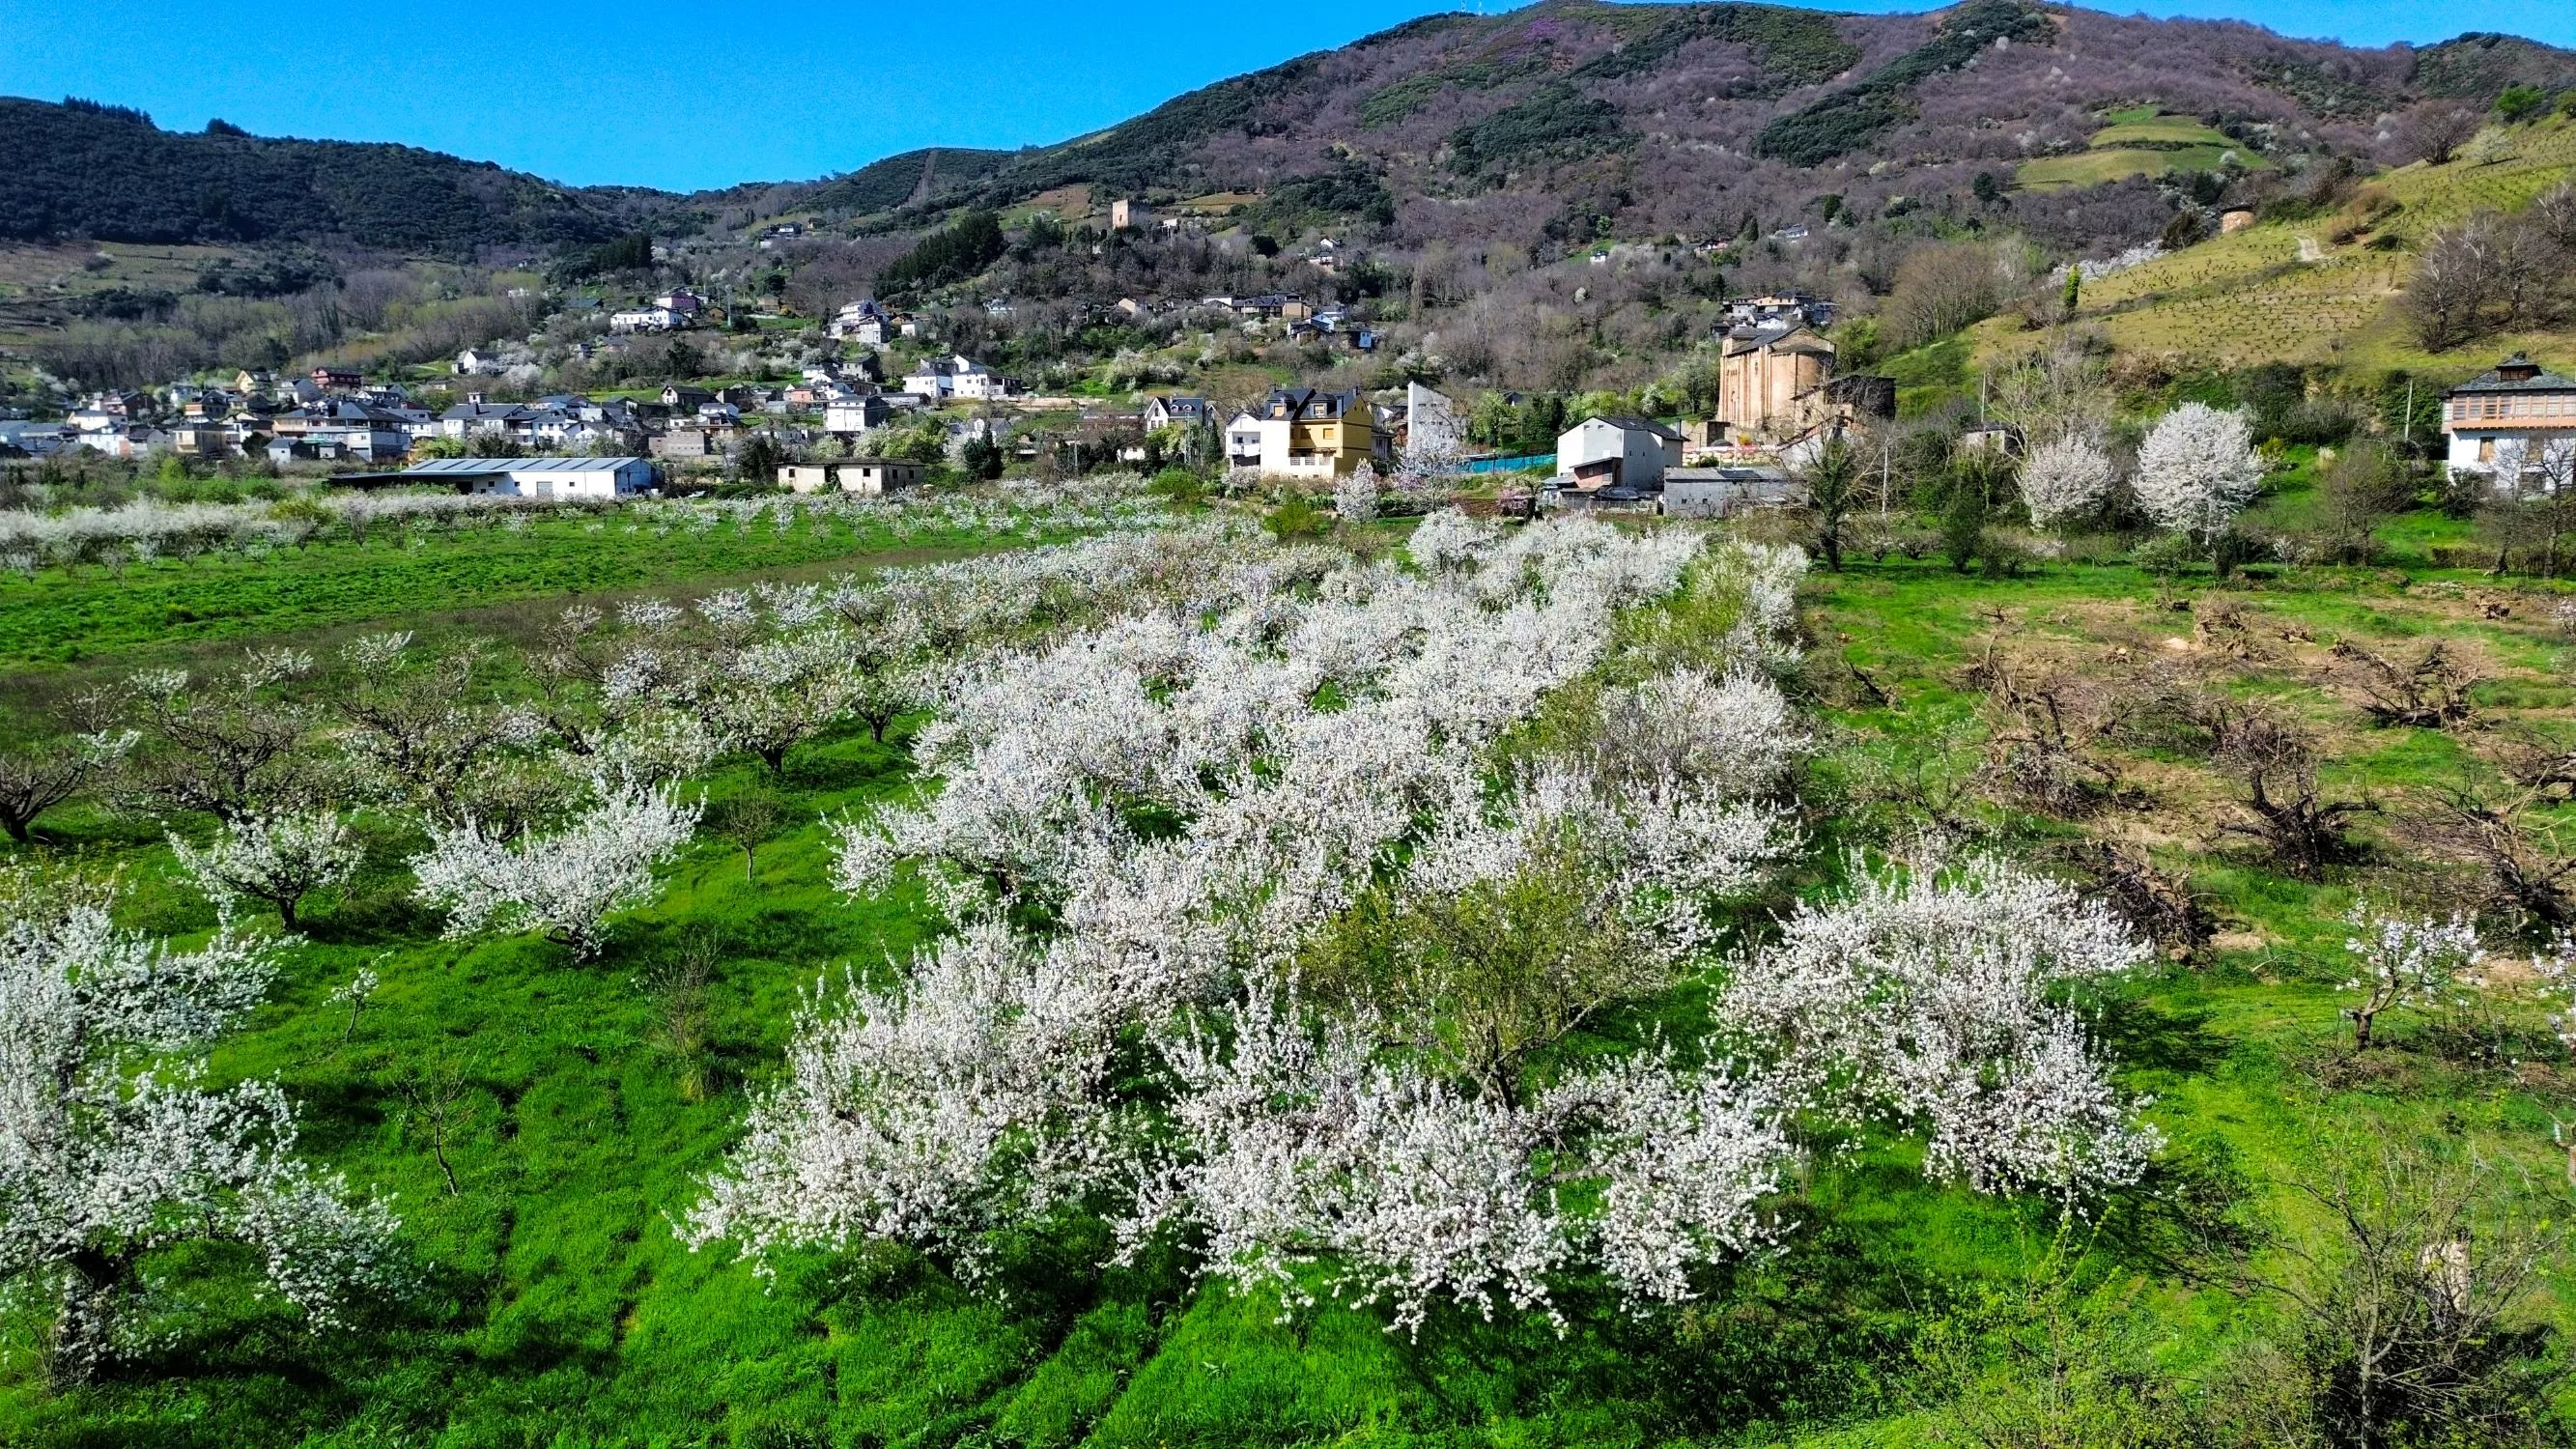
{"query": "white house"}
(2516, 413)
(1430, 419)
(1617, 452)
(647, 319)
(959, 378)
(854, 414)
(1243, 441)
(479, 362)
(863, 322)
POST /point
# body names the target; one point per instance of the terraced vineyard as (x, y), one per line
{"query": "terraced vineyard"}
(2319, 289)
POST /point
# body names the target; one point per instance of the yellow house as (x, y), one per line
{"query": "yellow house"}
(1310, 433)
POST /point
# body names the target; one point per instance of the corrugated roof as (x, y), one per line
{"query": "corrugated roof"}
(449, 467)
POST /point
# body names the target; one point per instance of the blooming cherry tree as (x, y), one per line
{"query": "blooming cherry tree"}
(278, 856)
(110, 1148)
(564, 883)
(2406, 961)
(1928, 997)
(2064, 479)
(2197, 470)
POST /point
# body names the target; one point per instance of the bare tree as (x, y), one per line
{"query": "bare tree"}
(2411, 1302)
(2508, 834)
(35, 778)
(2447, 296)
(2357, 492)
(235, 747)
(2435, 131)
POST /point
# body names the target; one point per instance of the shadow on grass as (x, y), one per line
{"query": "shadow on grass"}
(2140, 1033)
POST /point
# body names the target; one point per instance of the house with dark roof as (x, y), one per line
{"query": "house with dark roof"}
(1608, 451)
(1314, 434)
(2515, 413)
(1165, 412)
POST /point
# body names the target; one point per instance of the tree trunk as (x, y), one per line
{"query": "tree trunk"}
(85, 1329)
(16, 827)
(286, 912)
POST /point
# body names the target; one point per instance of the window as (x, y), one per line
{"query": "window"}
(2486, 450)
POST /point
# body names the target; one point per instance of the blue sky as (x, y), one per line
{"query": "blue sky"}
(685, 96)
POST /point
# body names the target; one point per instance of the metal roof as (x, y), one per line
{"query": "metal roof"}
(449, 467)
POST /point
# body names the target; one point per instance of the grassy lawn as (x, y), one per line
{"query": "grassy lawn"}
(58, 616)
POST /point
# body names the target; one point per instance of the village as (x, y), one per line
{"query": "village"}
(875, 405)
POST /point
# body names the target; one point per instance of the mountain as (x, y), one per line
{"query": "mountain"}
(79, 169)
(1575, 118)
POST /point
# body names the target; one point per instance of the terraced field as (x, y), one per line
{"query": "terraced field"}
(2320, 289)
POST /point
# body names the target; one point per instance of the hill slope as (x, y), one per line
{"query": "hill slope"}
(1574, 117)
(109, 174)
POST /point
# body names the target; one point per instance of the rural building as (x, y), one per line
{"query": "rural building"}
(647, 319)
(1602, 452)
(1166, 412)
(602, 478)
(1770, 380)
(957, 378)
(1723, 492)
(855, 414)
(1309, 433)
(872, 477)
(1125, 215)
(1431, 419)
(2514, 411)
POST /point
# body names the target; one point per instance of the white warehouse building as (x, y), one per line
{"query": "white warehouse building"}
(603, 478)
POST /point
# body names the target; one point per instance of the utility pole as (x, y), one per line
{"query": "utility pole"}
(2407, 433)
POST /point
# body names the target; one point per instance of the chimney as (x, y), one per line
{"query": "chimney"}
(475, 398)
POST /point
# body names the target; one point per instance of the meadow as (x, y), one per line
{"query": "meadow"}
(544, 1121)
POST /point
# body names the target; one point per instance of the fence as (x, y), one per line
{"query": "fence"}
(1508, 465)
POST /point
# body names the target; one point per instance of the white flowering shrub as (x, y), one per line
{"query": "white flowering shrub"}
(110, 1148)
(279, 857)
(1355, 496)
(564, 883)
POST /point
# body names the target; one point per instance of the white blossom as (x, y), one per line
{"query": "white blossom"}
(2197, 469)
(2407, 961)
(109, 1147)
(564, 883)
(1930, 997)
(2064, 479)
(278, 856)
(1355, 495)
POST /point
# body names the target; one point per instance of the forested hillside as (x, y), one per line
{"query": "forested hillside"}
(107, 173)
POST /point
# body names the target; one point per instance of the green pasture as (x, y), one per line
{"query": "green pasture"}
(60, 616)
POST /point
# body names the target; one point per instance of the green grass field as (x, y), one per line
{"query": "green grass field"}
(70, 616)
(2138, 142)
(557, 1308)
